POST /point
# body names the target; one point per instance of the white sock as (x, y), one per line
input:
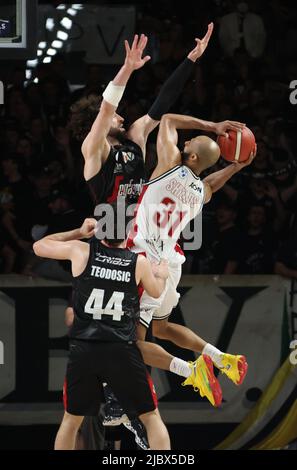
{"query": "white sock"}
(214, 353)
(180, 367)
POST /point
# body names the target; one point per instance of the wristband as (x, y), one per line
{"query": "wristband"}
(113, 94)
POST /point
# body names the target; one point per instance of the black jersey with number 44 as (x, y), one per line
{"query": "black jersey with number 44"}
(122, 175)
(105, 296)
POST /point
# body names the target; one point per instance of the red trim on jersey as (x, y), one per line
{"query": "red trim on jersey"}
(140, 290)
(65, 397)
(153, 391)
(140, 286)
(115, 191)
(133, 232)
(179, 250)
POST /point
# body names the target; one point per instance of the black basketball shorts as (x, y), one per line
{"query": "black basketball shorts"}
(90, 364)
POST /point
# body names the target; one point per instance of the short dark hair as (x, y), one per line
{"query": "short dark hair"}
(83, 114)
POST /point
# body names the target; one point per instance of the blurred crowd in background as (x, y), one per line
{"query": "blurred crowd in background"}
(250, 226)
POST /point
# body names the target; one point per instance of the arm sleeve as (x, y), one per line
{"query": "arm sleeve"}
(171, 90)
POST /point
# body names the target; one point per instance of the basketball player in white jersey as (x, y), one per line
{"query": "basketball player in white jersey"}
(175, 195)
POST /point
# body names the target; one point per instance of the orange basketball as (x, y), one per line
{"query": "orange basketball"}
(238, 146)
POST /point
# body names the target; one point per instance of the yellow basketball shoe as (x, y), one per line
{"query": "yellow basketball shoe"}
(235, 367)
(204, 381)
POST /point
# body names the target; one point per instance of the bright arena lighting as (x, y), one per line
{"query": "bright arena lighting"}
(42, 45)
(47, 60)
(57, 44)
(77, 6)
(32, 63)
(28, 74)
(36, 80)
(39, 52)
(62, 35)
(50, 24)
(66, 22)
(61, 7)
(51, 51)
(71, 11)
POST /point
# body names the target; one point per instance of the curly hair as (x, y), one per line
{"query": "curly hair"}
(83, 114)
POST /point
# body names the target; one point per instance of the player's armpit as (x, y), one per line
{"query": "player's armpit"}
(139, 131)
(207, 192)
(95, 160)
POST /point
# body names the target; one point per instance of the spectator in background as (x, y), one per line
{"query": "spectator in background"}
(64, 216)
(11, 136)
(259, 190)
(286, 259)
(262, 164)
(16, 210)
(25, 152)
(94, 83)
(38, 135)
(285, 178)
(258, 244)
(7, 256)
(243, 30)
(42, 186)
(221, 252)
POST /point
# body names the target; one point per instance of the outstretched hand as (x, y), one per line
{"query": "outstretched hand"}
(134, 59)
(201, 44)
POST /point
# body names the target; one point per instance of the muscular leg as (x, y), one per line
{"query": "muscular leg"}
(67, 433)
(156, 356)
(178, 334)
(156, 430)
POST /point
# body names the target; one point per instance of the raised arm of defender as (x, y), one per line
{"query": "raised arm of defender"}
(95, 147)
(169, 92)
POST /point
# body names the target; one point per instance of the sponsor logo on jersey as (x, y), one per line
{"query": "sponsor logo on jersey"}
(128, 156)
(111, 260)
(196, 187)
(183, 172)
(181, 193)
(118, 168)
(131, 189)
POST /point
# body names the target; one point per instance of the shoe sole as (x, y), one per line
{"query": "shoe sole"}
(213, 382)
(242, 369)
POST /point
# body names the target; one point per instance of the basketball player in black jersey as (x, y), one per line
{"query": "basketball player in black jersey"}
(114, 157)
(103, 335)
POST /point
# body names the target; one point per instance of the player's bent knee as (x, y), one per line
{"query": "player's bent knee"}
(149, 415)
(72, 421)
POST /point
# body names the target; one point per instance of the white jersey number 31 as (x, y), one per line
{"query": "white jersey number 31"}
(114, 307)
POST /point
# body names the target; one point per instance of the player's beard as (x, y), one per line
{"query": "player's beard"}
(118, 134)
(185, 157)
